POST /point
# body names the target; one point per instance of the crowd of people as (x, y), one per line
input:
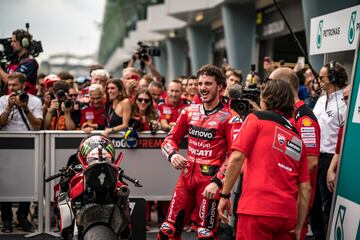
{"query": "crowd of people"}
(284, 145)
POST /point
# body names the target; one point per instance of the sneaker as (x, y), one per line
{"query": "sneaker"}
(25, 225)
(7, 228)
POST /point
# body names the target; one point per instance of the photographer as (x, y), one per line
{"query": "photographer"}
(19, 112)
(61, 114)
(144, 54)
(23, 62)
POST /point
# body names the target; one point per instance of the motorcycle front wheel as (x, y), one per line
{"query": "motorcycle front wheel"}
(98, 232)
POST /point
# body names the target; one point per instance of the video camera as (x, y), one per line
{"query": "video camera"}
(145, 52)
(240, 104)
(7, 54)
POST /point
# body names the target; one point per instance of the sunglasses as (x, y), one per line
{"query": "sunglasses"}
(145, 100)
(73, 95)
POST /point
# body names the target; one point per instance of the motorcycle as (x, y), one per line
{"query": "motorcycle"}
(92, 197)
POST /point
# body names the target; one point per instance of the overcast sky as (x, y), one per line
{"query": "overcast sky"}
(70, 26)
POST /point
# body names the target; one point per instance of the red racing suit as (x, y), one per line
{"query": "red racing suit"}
(210, 135)
(308, 127)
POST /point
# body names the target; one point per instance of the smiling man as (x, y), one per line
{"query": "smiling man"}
(209, 127)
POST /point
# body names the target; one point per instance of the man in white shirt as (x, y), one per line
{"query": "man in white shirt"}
(330, 111)
(19, 111)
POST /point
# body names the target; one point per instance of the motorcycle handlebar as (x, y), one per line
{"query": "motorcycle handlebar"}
(48, 179)
(130, 179)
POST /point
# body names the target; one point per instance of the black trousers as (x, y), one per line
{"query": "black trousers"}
(22, 212)
(320, 212)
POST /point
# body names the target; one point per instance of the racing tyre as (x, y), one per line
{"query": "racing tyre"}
(99, 232)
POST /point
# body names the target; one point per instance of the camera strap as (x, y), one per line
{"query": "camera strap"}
(23, 117)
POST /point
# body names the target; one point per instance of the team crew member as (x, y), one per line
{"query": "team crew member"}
(209, 128)
(93, 116)
(171, 109)
(307, 126)
(331, 174)
(276, 189)
(330, 111)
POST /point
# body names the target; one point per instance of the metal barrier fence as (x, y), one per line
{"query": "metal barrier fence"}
(22, 169)
(23, 156)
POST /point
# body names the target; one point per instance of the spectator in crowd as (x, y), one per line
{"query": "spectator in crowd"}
(276, 170)
(171, 109)
(145, 81)
(132, 88)
(307, 126)
(193, 89)
(73, 94)
(235, 77)
(67, 77)
(93, 116)
(130, 73)
(23, 62)
(118, 107)
(100, 76)
(334, 165)
(209, 130)
(184, 82)
(95, 67)
(40, 86)
(144, 111)
(148, 63)
(312, 86)
(330, 111)
(83, 84)
(49, 81)
(61, 114)
(156, 89)
(19, 112)
(303, 93)
(268, 67)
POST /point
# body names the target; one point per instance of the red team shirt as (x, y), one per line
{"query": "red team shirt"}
(308, 127)
(169, 112)
(94, 116)
(275, 164)
(338, 143)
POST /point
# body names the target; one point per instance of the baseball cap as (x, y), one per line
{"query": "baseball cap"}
(50, 79)
(82, 79)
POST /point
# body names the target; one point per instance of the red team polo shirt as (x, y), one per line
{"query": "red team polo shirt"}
(274, 166)
(169, 112)
(94, 116)
(308, 127)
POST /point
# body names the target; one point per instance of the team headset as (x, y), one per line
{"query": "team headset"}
(334, 79)
(23, 39)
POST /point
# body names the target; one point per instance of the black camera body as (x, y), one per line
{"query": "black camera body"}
(241, 105)
(145, 52)
(23, 96)
(61, 97)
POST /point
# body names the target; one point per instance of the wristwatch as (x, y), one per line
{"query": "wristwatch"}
(225, 196)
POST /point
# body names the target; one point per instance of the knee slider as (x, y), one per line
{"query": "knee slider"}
(205, 234)
(167, 229)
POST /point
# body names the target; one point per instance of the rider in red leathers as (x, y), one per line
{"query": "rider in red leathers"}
(210, 128)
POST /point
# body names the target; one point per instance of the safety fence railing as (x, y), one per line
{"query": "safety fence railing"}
(26, 158)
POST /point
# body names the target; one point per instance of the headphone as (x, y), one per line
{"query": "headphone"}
(333, 76)
(23, 39)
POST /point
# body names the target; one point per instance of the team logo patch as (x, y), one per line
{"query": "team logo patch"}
(235, 119)
(212, 123)
(306, 122)
(281, 139)
(307, 129)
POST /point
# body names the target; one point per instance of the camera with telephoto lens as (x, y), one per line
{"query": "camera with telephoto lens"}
(61, 97)
(145, 52)
(23, 97)
(242, 105)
